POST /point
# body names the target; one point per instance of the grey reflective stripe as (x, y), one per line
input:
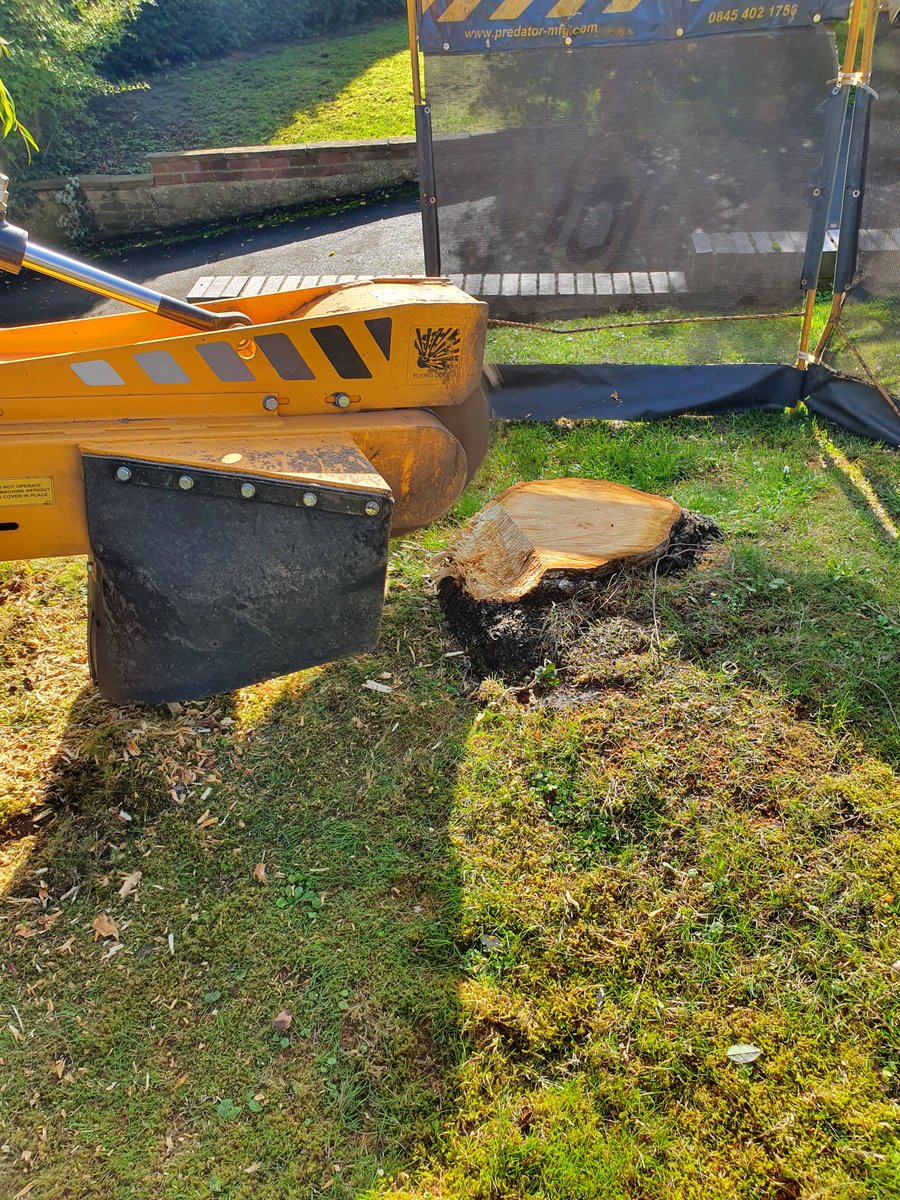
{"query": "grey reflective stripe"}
(161, 367)
(97, 373)
(284, 356)
(224, 361)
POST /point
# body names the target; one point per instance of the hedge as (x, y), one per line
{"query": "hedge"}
(168, 32)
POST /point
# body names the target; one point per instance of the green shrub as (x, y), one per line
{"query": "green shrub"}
(55, 47)
(168, 32)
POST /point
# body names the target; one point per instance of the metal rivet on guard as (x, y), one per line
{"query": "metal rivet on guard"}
(248, 491)
(817, 191)
(446, 45)
(341, 400)
(123, 474)
(856, 195)
(185, 483)
(679, 32)
(270, 403)
(310, 499)
(373, 508)
(817, 17)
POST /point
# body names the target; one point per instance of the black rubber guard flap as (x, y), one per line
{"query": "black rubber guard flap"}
(195, 592)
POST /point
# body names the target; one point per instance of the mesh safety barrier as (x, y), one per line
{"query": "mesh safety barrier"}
(674, 176)
(871, 315)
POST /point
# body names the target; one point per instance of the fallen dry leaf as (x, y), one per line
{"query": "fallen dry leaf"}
(130, 882)
(104, 926)
(282, 1022)
(259, 872)
(743, 1053)
(44, 922)
(66, 947)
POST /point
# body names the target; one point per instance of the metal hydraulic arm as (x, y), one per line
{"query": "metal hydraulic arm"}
(17, 251)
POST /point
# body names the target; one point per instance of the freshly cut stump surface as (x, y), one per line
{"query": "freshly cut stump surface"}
(557, 528)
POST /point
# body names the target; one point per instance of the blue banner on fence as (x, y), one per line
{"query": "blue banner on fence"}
(479, 26)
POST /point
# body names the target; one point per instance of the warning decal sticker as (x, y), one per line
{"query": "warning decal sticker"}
(435, 352)
(30, 490)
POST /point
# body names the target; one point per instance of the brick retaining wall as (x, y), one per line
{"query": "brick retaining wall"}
(197, 187)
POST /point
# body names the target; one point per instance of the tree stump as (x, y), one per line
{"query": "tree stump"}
(534, 533)
(550, 541)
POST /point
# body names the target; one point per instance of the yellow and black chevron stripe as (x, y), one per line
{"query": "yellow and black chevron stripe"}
(511, 10)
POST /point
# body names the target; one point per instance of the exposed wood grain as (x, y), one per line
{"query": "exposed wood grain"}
(557, 526)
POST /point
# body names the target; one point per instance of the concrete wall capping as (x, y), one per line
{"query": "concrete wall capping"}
(116, 181)
(198, 187)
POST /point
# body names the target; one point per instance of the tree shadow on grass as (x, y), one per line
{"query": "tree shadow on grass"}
(823, 642)
(351, 926)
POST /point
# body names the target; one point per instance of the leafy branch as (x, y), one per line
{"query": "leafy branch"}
(8, 119)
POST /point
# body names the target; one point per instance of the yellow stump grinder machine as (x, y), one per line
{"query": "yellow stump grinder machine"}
(233, 476)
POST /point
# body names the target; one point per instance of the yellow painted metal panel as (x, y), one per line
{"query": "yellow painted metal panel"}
(242, 400)
(417, 457)
(39, 380)
(315, 459)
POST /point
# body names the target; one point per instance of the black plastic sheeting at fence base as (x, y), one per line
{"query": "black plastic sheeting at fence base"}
(855, 405)
(611, 392)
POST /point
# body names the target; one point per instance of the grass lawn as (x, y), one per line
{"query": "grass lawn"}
(322, 90)
(517, 937)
